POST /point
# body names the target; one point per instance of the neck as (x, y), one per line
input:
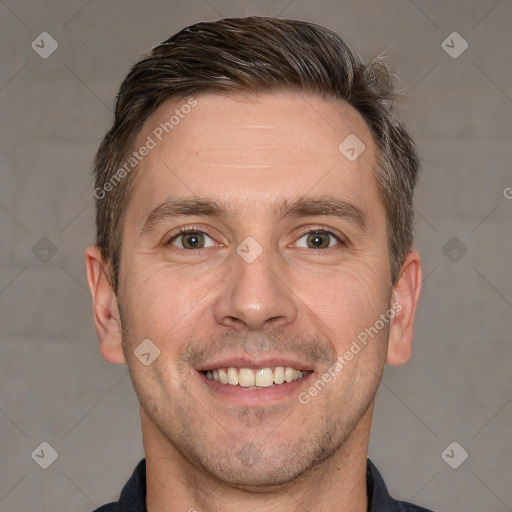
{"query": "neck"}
(337, 483)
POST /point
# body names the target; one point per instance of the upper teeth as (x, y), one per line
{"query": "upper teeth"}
(246, 377)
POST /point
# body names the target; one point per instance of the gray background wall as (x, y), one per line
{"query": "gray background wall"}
(54, 385)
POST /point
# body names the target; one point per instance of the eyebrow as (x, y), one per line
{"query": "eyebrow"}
(298, 207)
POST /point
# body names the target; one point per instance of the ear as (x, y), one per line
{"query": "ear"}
(106, 312)
(405, 297)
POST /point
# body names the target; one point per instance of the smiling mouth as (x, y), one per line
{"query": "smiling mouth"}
(255, 378)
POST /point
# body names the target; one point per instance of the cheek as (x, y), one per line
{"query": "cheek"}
(343, 301)
(163, 301)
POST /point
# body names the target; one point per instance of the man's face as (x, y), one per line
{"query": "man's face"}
(296, 294)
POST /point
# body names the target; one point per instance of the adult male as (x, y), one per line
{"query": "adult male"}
(253, 266)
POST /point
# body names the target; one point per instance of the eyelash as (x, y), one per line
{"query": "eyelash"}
(184, 231)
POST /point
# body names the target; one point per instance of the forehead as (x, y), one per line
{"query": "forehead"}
(253, 150)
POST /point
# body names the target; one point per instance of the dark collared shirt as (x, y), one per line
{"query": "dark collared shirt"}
(133, 495)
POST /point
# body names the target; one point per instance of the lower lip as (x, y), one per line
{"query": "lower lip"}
(245, 396)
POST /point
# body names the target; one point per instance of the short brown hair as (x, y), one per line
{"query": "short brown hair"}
(254, 55)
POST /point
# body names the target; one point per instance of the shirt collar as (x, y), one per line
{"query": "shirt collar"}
(133, 495)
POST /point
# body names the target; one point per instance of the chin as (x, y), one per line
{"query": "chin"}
(265, 468)
(261, 478)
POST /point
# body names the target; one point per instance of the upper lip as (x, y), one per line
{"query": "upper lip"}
(254, 363)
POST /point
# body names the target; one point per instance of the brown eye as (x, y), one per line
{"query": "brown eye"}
(318, 239)
(192, 240)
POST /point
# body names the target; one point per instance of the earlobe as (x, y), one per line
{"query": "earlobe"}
(105, 307)
(406, 294)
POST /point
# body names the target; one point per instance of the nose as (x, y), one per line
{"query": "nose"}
(255, 295)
